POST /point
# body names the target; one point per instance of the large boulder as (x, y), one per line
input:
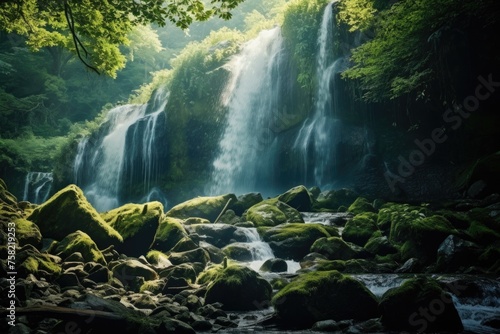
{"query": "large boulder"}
(335, 248)
(332, 200)
(169, 233)
(129, 270)
(27, 233)
(273, 212)
(219, 235)
(196, 255)
(69, 211)
(323, 295)
(245, 202)
(293, 241)
(208, 207)
(238, 251)
(79, 242)
(419, 305)
(298, 198)
(361, 205)
(360, 229)
(239, 289)
(455, 254)
(137, 224)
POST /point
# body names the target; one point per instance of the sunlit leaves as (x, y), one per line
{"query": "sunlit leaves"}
(358, 14)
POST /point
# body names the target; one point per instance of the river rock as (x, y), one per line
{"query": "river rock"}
(208, 207)
(361, 205)
(273, 212)
(419, 305)
(455, 254)
(298, 198)
(68, 211)
(380, 245)
(324, 295)
(79, 242)
(196, 255)
(137, 224)
(169, 233)
(274, 266)
(27, 233)
(239, 289)
(238, 251)
(128, 270)
(334, 248)
(219, 235)
(184, 270)
(331, 200)
(360, 229)
(293, 241)
(245, 202)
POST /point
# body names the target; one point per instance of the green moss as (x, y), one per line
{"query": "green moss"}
(239, 288)
(27, 233)
(482, 234)
(334, 200)
(354, 266)
(68, 211)
(169, 233)
(156, 257)
(399, 304)
(360, 229)
(273, 212)
(334, 248)
(79, 242)
(203, 207)
(323, 295)
(36, 262)
(298, 198)
(155, 286)
(130, 218)
(209, 274)
(361, 205)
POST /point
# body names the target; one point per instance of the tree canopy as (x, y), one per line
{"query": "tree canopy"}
(95, 29)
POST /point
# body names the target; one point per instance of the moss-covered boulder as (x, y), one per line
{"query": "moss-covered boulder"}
(184, 270)
(238, 251)
(185, 244)
(36, 263)
(360, 229)
(79, 242)
(137, 224)
(196, 255)
(245, 202)
(68, 211)
(380, 245)
(129, 270)
(334, 248)
(293, 241)
(239, 288)
(331, 200)
(323, 295)
(419, 305)
(274, 266)
(158, 259)
(420, 236)
(208, 207)
(273, 212)
(219, 235)
(361, 205)
(169, 233)
(298, 198)
(27, 233)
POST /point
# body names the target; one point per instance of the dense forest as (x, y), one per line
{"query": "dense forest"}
(266, 165)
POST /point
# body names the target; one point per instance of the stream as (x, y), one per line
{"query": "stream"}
(476, 298)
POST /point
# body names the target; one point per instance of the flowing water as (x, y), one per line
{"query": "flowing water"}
(247, 147)
(126, 151)
(37, 187)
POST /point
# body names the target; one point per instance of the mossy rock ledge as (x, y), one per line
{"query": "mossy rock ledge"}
(68, 211)
(137, 224)
(323, 295)
(298, 198)
(79, 242)
(272, 212)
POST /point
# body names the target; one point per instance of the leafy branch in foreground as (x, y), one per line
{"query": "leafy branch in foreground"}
(95, 29)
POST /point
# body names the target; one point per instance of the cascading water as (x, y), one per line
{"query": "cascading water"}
(319, 135)
(126, 152)
(37, 186)
(247, 148)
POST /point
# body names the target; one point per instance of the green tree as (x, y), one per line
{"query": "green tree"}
(95, 29)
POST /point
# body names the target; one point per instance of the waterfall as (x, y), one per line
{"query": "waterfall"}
(37, 186)
(319, 135)
(123, 153)
(247, 148)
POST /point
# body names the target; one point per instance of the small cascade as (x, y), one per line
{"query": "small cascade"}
(319, 135)
(37, 186)
(125, 152)
(247, 149)
(261, 250)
